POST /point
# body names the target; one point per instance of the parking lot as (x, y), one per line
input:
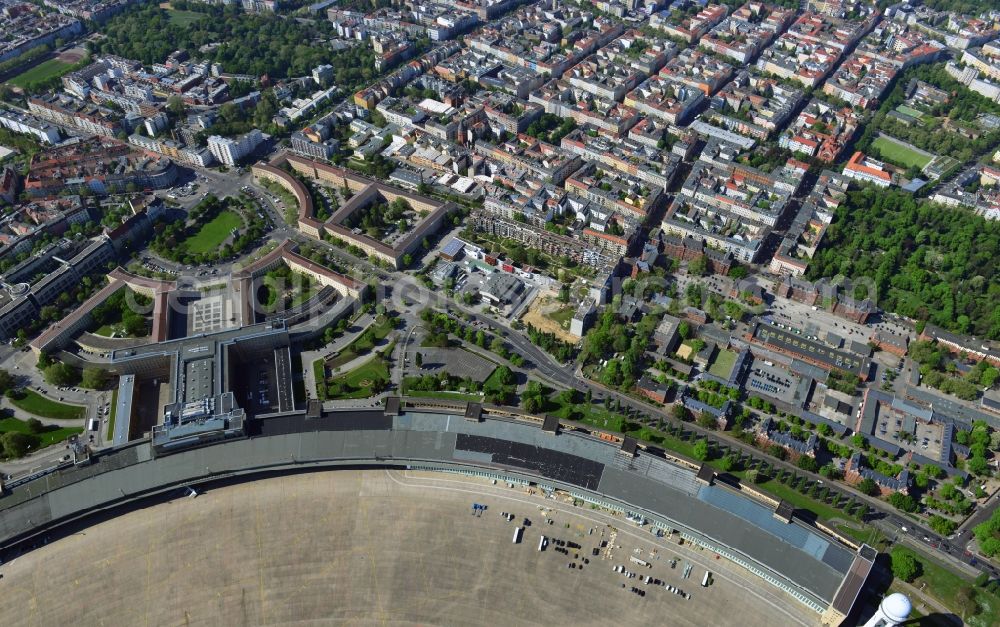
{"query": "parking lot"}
(774, 382)
(255, 384)
(373, 546)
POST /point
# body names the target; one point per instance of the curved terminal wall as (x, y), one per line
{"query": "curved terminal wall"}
(307, 223)
(801, 560)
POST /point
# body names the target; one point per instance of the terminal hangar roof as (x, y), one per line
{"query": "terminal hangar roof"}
(795, 552)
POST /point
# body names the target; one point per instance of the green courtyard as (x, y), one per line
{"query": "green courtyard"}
(213, 233)
(366, 380)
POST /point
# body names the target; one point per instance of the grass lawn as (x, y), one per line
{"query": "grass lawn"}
(183, 18)
(492, 381)
(52, 68)
(48, 438)
(943, 585)
(868, 535)
(319, 372)
(900, 154)
(723, 364)
(801, 501)
(357, 383)
(562, 316)
(213, 233)
(596, 415)
(34, 403)
(453, 396)
(376, 332)
(114, 411)
(910, 111)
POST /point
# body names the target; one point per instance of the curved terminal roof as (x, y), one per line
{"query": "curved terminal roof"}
(801, 558)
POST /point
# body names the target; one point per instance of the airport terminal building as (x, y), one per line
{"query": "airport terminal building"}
(823, 572)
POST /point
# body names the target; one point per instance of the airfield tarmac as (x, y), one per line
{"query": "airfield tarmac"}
(373, 547)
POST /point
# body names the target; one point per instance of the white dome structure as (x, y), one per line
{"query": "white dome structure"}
(893, 610)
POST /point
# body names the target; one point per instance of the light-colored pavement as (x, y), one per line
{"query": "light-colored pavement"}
(366, 548)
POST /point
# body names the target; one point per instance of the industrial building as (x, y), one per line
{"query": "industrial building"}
(209, 382)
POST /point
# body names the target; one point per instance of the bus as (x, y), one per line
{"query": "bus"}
(94, 424)
(517, 534)
(707, 579)
(541, 543)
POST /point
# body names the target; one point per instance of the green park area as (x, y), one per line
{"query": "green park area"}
(899, 153)
(450, 387)
(362, 344)
(34, 403)
(368, 379)
(53, 68)
(977, 606)
(282, 289)
(183, 18)
(33, 436)
(213, 233)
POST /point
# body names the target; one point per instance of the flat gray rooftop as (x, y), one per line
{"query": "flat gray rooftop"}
(804, 557)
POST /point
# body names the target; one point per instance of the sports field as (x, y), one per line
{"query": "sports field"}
(910, 111)
(213, 233)
(900, 154)
(374, 547)
(53, 68)
(183, 18)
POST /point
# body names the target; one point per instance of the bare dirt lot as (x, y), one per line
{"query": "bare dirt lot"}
(371, 547)
(538, 314)
(73, 55)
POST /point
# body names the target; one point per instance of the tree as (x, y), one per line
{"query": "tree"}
(504, 375)
(706, 420)
(531, 404)
(727, 463)
(700, 450)
(7, 381)
(942, 525)
(680, 412)
(807, 463)
(867, 486)
(684, 330)
(903, 502)
(17, 444)
(753, 476)
(418, 359)
(35, 425)
(134, 324)
(698, 266)
(977, 465)
(175, 105)
(60, 374)
(95, 378)
(904, 565)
